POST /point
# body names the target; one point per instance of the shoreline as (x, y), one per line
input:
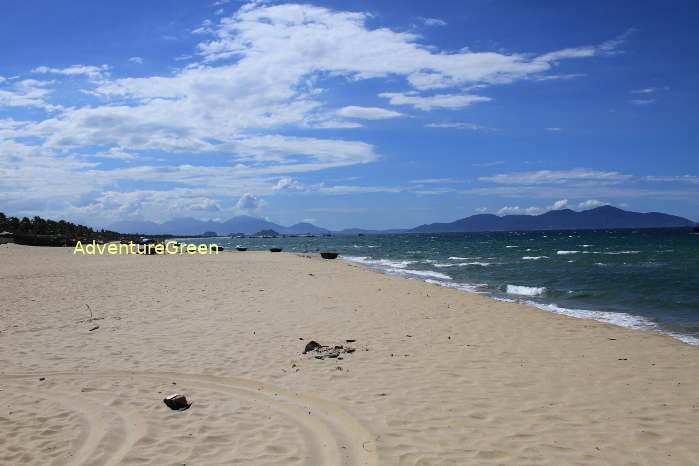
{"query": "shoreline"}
(438, 376)
(617, 318)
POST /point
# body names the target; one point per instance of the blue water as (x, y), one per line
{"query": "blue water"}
(646, 279)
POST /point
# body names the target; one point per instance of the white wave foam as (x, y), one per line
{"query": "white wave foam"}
(561, 253)
(511, 246)
(380, 262)
(471, 288)
(424, 273)
(525, 290)
(463, 264)
(534, 258)
(622, 252)
(616, 318)
(396, 267)
(457, 258)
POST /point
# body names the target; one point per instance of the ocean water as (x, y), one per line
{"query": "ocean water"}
(644, 279)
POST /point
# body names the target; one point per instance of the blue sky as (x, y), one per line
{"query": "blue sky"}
(372, 114)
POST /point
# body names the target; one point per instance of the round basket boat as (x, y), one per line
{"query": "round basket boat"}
(275, 249)
(241, 249)
(217, 248)
(329, 255)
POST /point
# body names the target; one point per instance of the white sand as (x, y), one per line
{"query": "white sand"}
(440, 376)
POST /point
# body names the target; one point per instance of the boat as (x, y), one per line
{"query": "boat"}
(329, 255)
(275, 249)
(240, 248)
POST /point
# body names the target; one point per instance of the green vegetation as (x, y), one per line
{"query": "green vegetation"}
(38, 226)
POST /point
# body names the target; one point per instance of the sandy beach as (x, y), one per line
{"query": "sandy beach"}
(439, 376)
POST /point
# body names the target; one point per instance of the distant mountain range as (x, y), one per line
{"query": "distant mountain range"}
(565, 219)
(191, 226)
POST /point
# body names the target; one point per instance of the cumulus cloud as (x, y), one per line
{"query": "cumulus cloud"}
(248, 202)
(27, 93)
(287, 184)
(254, 75)
(367, 113)
(136, 60)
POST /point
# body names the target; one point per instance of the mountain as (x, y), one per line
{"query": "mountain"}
(191, 226)
(598, 218)
(304, 228)
(565, 219)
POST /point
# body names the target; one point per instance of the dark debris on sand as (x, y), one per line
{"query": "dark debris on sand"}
(327, 352)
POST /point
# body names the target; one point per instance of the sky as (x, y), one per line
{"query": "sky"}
(372, 114)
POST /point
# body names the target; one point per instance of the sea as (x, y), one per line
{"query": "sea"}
(644, 279)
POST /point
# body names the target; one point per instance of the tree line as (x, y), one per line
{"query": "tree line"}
(39, 226)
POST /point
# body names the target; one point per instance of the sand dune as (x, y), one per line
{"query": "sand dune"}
(439, 377)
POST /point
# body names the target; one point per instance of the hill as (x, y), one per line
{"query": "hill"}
(598, 218)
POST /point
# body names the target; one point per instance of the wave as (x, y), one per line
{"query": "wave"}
(622, 252)
(395, 267)
(621, 319)
(525, 290)
(425, 273)
(534, 258)
(561, 253)
(457, 258)
(463, 264)
(472, 288)
(380, 262)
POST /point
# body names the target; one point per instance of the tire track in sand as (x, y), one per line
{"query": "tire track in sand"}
(332, 436)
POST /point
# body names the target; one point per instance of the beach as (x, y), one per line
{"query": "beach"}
(439, 376)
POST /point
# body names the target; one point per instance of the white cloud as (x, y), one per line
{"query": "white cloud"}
(27, 93)
(555, 130)
(457, 125)
(488, 164)
(480, 210)
(591, 204)
(136, 60)
(437, 180)
(114, 153)
(248, 202)
(450, 101)
(260, 73)
(434, 22)
(642, 101)
(367, 113)
(553, 77)
(288, 184)
(556, 177)
(647, 90)
(92, 72)
(516, 210)
(681, 178)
